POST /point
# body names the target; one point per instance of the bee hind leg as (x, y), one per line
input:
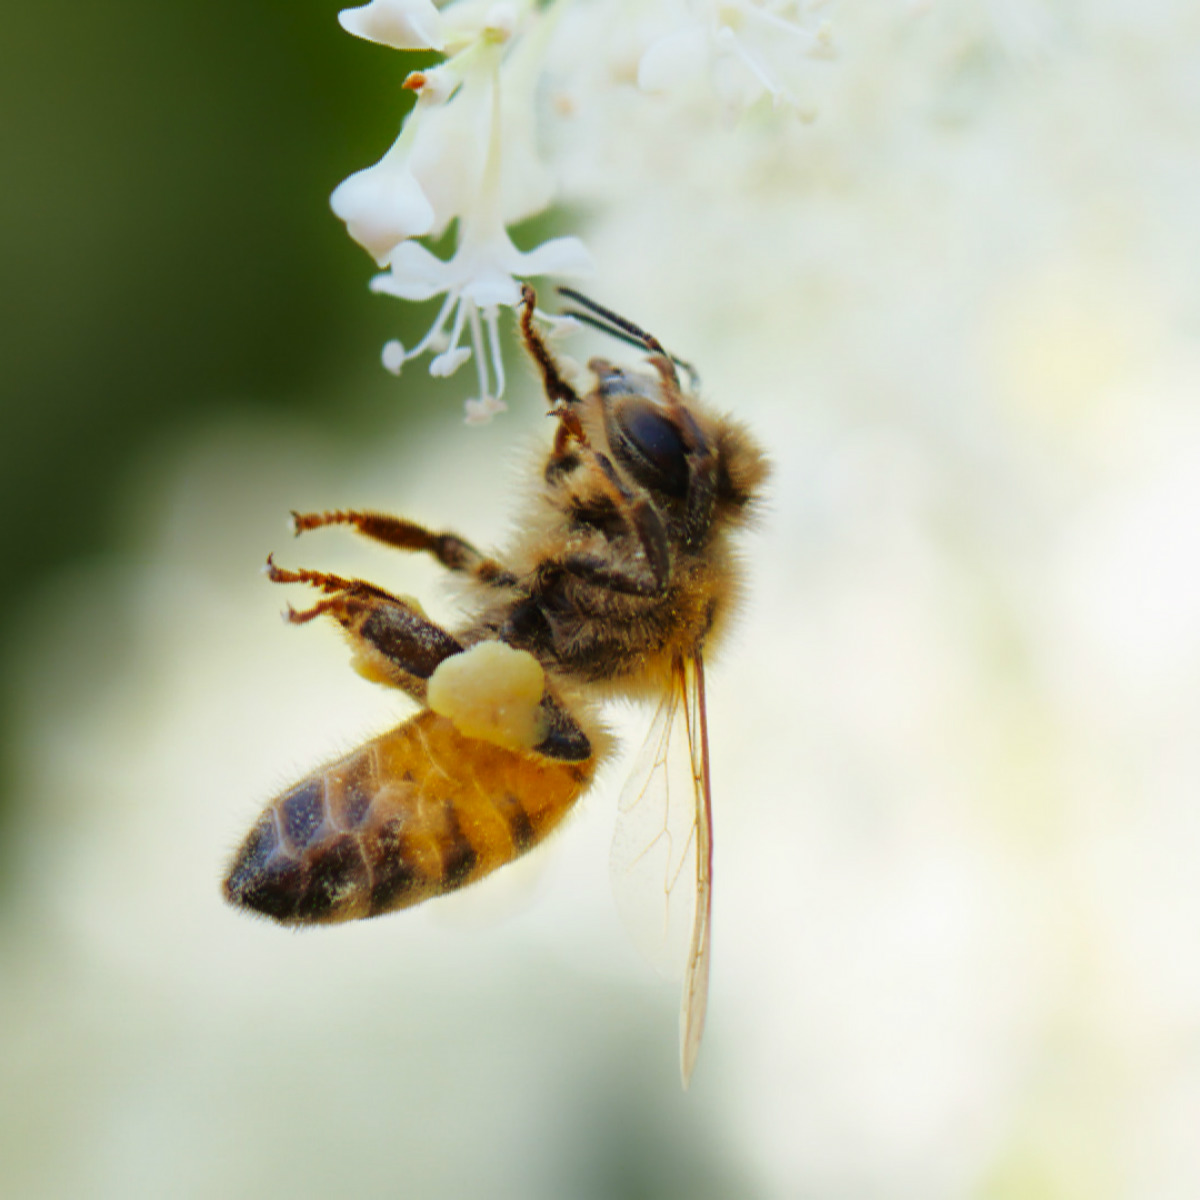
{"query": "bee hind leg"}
(394, 643)
(564, 739)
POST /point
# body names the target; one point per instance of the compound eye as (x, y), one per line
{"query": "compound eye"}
(654, 447)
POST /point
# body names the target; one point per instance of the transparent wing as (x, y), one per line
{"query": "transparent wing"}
(662, 851)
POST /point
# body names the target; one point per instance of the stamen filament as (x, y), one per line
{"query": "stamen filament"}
(491, 316)
(435, 329)
(480, 356)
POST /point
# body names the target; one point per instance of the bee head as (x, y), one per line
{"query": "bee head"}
(705, 464)
(661, 434)
(645, 434)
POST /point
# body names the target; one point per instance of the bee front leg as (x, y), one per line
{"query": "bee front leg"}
(557, 389)
(636, 557)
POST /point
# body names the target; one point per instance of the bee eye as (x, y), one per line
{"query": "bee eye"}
(653, 447)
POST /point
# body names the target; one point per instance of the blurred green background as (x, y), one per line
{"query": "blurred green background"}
(169, 256)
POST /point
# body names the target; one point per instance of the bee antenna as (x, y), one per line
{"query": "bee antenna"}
(633, 333)
(623, 330)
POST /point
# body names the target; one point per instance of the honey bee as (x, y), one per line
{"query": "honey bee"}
(623, 575)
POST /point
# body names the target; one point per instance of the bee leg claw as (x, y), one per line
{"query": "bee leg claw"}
(302, 616)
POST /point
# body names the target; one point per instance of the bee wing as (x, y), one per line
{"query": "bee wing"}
(662, 852)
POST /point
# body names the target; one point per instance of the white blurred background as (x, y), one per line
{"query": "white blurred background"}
(956, 736)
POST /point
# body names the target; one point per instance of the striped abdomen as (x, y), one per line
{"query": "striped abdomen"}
(419, 811)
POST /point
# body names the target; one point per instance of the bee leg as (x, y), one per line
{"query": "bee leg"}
(555, 386)
(702, 483)
(564, 739)
(392, 640)
(559, 392)
(453, 552)
(646, 571)
(322, 580)
(396, 644)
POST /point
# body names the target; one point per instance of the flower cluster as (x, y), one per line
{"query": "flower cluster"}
(747, 48)
(467, 151)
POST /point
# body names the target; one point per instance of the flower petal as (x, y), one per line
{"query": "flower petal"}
(670, 60)
(489, 286)
(450, 149)
(527, 183)
(415, 274)
(401, 24)
(558, 256)
(382, 206)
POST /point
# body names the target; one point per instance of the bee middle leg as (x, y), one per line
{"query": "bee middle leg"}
(393, 642)
(453, 552)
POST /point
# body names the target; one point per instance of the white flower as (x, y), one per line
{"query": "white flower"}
(450, 146)
(501, 20)
(454, 140)
(467, 154)
(433, 171)
(484, 270)
(401, 24)
(465, 22)
(480, 278)
(748, 49)
(384, 205)
(527, 185)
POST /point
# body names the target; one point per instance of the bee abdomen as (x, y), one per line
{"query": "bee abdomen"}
(419, 811)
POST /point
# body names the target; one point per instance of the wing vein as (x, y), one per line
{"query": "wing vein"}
(662, 849)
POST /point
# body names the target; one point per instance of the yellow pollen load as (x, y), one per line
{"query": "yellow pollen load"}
(492, 692)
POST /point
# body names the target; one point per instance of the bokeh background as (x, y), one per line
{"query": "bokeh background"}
(956, 737)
